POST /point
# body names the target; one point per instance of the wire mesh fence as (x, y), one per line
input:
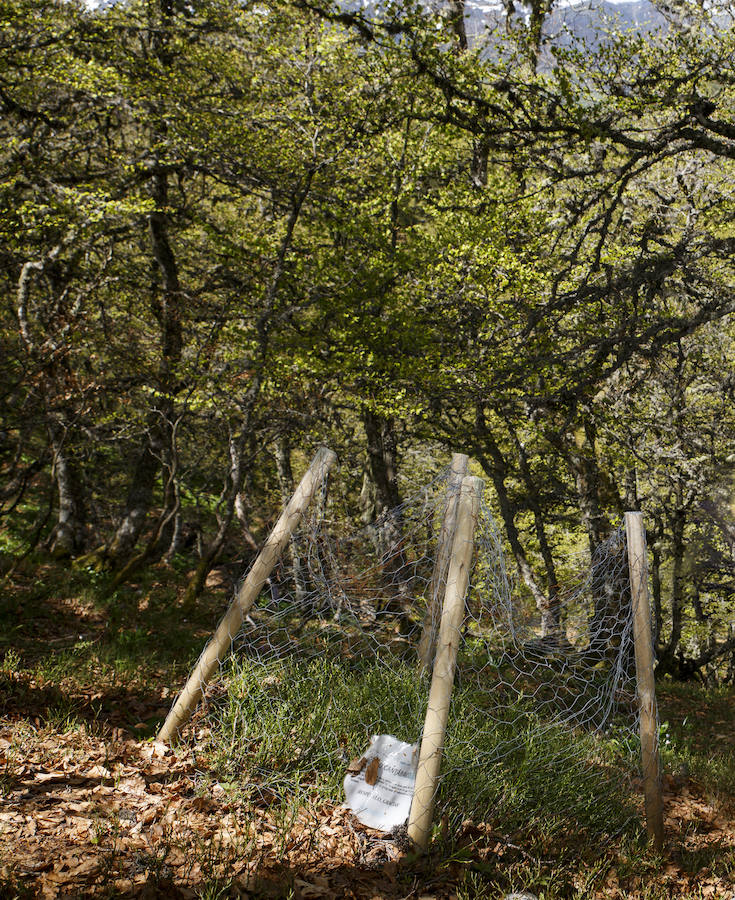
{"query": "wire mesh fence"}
(542, 733)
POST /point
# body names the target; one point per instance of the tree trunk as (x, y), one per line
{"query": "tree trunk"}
(167, 308)
(162, 534)
(580, 453)
(551, 609)
(382, 459)
(176, 536)
(138, 503)
(212, 550)
(456, 17)
(379, 497)
(677, 581)
(496, 468)
(656, 587)
(540, 9)
(582, 460)
(68, 535)
(285, 480)
(380, 502)
(630, 482)
(508, 512)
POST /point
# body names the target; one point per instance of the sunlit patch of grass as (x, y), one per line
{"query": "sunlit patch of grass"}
(610, 872)
(97, 634)
(71, 654)
(699, 736)
(288, 728)
(717, 857)
(10, 663)
(64, 716)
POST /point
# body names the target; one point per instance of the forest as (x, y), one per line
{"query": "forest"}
(232, 233)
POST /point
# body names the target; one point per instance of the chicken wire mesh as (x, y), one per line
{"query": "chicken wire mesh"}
(542, 733)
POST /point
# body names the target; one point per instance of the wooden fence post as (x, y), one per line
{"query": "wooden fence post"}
(638, 568)
(221, 640)
(442, 681)
(427, 643)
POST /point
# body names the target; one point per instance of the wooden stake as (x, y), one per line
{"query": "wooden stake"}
(221, 640)
(638, 567)
(442, 681)
(457, 471)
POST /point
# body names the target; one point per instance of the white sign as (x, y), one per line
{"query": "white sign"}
(383, 800)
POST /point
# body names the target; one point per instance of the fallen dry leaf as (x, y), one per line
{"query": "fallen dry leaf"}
(371, 773)
(356, 766)
(42, 777)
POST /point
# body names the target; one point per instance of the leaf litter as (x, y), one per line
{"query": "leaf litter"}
(81, 815)
(96, 811)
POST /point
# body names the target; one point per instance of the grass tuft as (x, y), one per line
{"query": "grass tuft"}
(287, 728)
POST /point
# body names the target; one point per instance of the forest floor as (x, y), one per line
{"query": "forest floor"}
(92, 806)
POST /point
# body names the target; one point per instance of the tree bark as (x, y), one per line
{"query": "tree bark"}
(68, 536)
(582, 460)
(496, 468)
(677, 587)
(140, 497)
(380, 501)
(161, 535)
(167, 309)
(579, 451)
(230, 491)
(285, 480)
(165, 305)
(69, 533)
(551, 610)
(456, 17)
(263, 328)
(656, 587)
(382, 460)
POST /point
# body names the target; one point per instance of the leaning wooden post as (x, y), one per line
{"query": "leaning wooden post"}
(638, 567)
(457, 471)
(442, 681)
(221, 640)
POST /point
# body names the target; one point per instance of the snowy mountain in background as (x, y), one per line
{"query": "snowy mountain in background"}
(585, 20)
(570, 20)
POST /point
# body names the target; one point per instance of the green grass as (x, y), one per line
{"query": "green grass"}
(69, 652)
(283, 732)
(698, 736)
(289, 727)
